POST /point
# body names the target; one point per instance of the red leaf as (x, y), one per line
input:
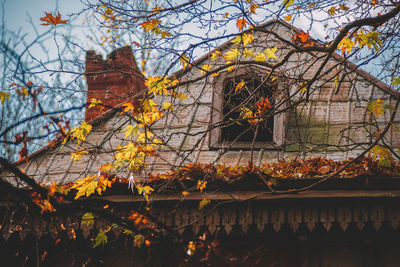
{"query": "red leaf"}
(51, 20)
(241, 23)
(301, 37)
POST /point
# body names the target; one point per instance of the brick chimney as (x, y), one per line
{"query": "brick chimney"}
(113, 81)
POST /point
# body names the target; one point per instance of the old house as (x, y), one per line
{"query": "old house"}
(343, 222)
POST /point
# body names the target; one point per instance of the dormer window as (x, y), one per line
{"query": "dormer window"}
(252, 99)
(244, 103)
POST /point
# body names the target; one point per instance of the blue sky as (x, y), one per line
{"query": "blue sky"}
(18, 11)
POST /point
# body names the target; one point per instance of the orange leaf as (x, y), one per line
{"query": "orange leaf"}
(51, 20)
(106, 167)
(301, 37)
(241, 23)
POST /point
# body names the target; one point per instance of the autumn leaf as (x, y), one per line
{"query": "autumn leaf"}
(95, 103)
(260, 57)
(150, 24)
(184, 61)
(85, 186)
(201, 185)
(205, 202)
(248, 53)
(262, 106)
(270, 53)
(81, 132)
(368, 39)
(105, 168)
(346, 44)
(145, 191)
(332, 11)
(215, 55)
(239, 86)
(87, 219)
(167, 105)
(376, 107)
(51, 20)
(247, 39)
(191, 248)
(288, 18)
(288, 3)
(237, 40)
(130, 130)
(252, 8)
(343, 7)
(241, 24)
(138, 240)
(396, 81)
(301, 37)
(77, 155)
(205, 68)
(232, 54)
(4, 96)
(385, 158)
(101, 239)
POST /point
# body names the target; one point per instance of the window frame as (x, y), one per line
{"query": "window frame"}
(217, 104)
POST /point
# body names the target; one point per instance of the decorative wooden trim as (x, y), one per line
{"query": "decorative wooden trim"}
(305, 216)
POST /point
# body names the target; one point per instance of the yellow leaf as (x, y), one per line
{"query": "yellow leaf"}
(383, 154)
(127, 107)
(237, 40)
(376, 108)
(77, 155)
(343, 7)
(239, 86)
(288, 3)
(204, 68)
(167, 106)
(252, 8)
(205, 202)
(185, 61)
(247, 39)
(130, 130)
(150, 24)
(180, 95)
(288, 18)
(346, 44)
(145, 191)
(95, 102)
(101, 239)
(87, 219)
(215, 55)
(396, 81)
(332, 11)
(201, 185)
(248, 53)
(4, 96)
(260, 57)
(271, 53)
(81, 132)
(86, 189)
(232, 54)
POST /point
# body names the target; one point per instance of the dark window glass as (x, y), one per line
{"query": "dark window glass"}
(236, 127)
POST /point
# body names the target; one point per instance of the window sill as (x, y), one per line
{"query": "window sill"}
(246, 146)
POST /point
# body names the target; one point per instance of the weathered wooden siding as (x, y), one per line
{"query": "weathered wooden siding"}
(326, 125)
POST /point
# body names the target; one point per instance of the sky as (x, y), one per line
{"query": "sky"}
(18, 11)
